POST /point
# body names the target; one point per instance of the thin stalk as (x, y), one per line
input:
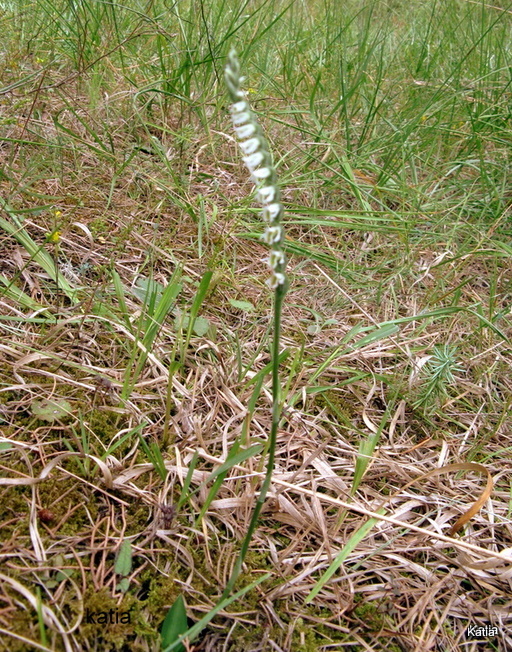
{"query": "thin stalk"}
(276, 415)
(258, 160)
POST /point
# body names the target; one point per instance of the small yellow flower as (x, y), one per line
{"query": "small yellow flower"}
(57, 213)
(53, 237)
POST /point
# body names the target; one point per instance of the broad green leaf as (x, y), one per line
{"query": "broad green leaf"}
(124, 559)
(51, 410)
(147, 289)
(201, 326)
(246, 306)
(51, 584)
(123, 585)
(64, 574)
(175, 624)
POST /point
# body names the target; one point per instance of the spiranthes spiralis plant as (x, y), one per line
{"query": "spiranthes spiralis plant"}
(438, 376)
(258, 160)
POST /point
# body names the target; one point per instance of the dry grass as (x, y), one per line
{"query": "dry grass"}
(74, 486)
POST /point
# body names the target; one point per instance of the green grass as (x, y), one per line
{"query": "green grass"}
(135, 377)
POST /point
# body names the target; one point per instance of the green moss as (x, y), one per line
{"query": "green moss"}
(74, 511)
(368, 612)
(14, 511)
(162, 593)
(120, 619)
(305, 638)
(337, 407)
(5, 397)
(104, 424)
(24, 622)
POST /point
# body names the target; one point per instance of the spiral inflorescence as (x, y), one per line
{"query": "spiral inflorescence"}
(258, 160)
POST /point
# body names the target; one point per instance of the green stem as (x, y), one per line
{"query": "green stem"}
(276, 414)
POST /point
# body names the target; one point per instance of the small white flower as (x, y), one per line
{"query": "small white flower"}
(267, 194)
(238, 107)
(265, 216)
(272, 235)
(253, 160)
(273, 210)
(262, 173)
(241, 118)
(276, 258)
(250, 146)
(245, 131)
(275, 280)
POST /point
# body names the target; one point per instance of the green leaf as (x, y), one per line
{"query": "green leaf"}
(51, 584)
(175, 624)
(36, 252)
(64, 575)
(201, 326)
(124, 559)
(188, 479)
(15, 294)
(51, 410)
(380, 333)
(196, 304)
(246, 306)
(147, 290)
(123, 585)
(154, 455)
(354, 540)
(234, 457)
(196, 629)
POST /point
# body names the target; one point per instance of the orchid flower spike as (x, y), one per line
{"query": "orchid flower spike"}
(258, 160)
